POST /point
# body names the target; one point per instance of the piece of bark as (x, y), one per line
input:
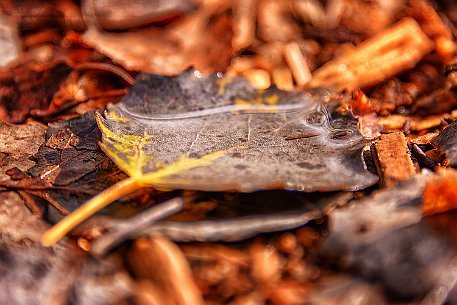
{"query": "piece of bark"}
(146, 293)
(282, 78)
(162, 262)
(392, 159)
(394, 50)
(258, 78)
(433, 25)
(422, 139)
(412, 123)
(122, 15)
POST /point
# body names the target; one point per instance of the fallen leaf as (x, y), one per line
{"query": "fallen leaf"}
(162, 262)
(167, 58)
(73, 168)
(271, 139)
(18, 143)
(215, 134)
(25, 89)
(32, 274)
(385, 238)
(120, 15)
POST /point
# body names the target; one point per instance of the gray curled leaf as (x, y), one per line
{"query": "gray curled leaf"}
(273, 139)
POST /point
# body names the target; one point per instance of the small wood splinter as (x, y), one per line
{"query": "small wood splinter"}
(302, 136)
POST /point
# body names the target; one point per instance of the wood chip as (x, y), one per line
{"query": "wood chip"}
(399, 122)
(243, 24)
(282, 78)
(297, 63)
(266, 265)
(392, 159)
(394, 50)
(423, 139)
(162, 262)
(440, 193)
(259, 78)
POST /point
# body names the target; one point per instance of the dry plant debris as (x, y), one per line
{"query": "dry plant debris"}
(391, 67)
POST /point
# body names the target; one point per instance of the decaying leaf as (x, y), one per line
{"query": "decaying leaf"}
(270, 139)
(220, 134)
(447, 142)
(32, 274)
(18, 143)
(119, 15)
(25, 89)
(73, 169)
(384, 237)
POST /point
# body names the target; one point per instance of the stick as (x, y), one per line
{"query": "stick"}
(123, 230)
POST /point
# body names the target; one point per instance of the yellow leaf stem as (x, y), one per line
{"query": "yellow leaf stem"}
(95, 204)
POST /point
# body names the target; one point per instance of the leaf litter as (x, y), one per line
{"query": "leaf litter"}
(273, 42)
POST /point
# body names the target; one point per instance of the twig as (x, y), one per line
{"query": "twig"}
(106, 67)
(120, 231)
(421, 157)
(234, 229)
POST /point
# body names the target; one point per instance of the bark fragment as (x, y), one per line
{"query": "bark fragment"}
(392, 159)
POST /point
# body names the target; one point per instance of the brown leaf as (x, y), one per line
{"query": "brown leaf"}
(25, 89)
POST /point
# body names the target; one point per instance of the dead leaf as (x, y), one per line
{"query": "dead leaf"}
(71, 168)
(24, 89)
(121, 15)
(215, 134)
(163, 263)
(270, 139)
(167, 59)
(32, 274)
(384, 238)
(18, 143)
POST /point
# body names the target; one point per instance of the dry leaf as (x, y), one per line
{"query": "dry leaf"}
(210, 133)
